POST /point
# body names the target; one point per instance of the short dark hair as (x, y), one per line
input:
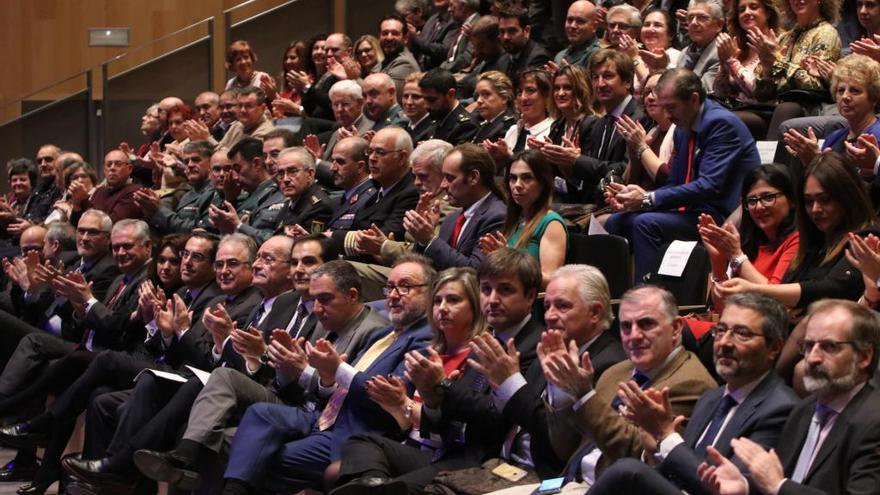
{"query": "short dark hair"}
(395, 17)
(515, 12)
(440, 80)
(211, 238)
(18, 166)
(249, 147)
(623, 64)
(254, 90)
(203, 148)
(775, 323)
(507, 261)
(328, 247)
(684, 83)
(342, 273)
(475, 157)
(289, 137)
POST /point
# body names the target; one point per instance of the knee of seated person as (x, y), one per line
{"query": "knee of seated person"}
(331, 475)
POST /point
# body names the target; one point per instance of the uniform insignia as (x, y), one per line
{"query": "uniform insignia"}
(315, 200)
(276, 206)
(353, 200)
(317, 227)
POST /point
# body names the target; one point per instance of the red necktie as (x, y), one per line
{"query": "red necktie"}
(456, 232)
(692, 142)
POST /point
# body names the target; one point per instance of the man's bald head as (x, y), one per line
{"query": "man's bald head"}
(379, 95)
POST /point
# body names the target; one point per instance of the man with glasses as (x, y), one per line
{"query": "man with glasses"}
(307, 207)
(224, 178)
(454, 124)
(156, 409)
(192, 209)
(260, 209)
(347, 101)
(831, 439)
(116, 196)
(389, 152)
(622, 20)
(590, 424)
(253, 121)
(754, 403)
(705, 19)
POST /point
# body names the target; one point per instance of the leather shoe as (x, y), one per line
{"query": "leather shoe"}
(14, 471)
(92, 471)
(32, 488)
(371, 485)
(166, 466)
(84, 488)
(21, 437)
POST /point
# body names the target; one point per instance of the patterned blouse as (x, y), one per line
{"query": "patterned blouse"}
(820, 40)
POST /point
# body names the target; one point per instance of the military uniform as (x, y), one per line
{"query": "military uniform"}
(262, 207)
(458, 126)
(496, 128)
(394, 117)
(422, 131)
(350, 203)
(310, 211)
(191, 213)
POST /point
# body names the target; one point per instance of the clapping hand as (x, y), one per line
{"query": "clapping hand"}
(491, 242)
(426, 372)
(287, 355)
(324, 358)
(650, 409)
(804, 147)
(722, 477)
(370, 241)
(494, 362)
(863, 154)
(721, 242)
(173, 316)
(219, 323)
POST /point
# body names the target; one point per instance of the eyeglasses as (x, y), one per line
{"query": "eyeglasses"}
(701, 18)
(223, 168)
(115, 163)
(402, 289)
(83, 231)
(27, 249)
(768, 199)
(827, 347)
(740, 334)
(291, 171)
(231, 263)
(197, 257)
(364, 51)
(380, 152)
(269, 259)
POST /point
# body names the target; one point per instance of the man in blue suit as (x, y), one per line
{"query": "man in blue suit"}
(286, 449)
(753, 404)
(714, 151)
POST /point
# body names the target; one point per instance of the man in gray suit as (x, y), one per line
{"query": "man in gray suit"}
(705, 19)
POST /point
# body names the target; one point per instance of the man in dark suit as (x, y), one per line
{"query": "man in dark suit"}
(753, 404)
(831, 438)
(464, 13)
(155, 410)
(315, 97)
(263, 437)
(454, 124)
(389, 165)
(612, 73)
(192, 209)
(522, 51)
(431, 45)
(350, 172)
(307, 207)
(101, 325)
(715, 152)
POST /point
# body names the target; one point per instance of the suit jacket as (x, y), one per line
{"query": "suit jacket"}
(119, 203)
(350, 341)
(531, 55)
(344, 212)
(463, 49)
(600, 160)
(316, 100)
(398, 68)
(198, 350)
(597, 423)
(362, 124)
(423, 130)
(282, 312)
(574, 189)
(386, 213)
(432, 44)
(456, 127)
(111, 324)
(848, 461)
(707, 65)
(760, 418)
(358, 413)
(489, 217)
(724, 154)
(526, 408)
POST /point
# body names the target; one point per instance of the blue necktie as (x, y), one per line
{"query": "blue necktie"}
(721, 409)
(641, 379)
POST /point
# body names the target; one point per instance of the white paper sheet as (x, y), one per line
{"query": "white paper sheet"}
(676, 258)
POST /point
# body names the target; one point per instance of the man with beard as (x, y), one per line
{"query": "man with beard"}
(454, 124)
(515, 35)
(831, 439)
(306, 441)
(399, 61)
(753, 404)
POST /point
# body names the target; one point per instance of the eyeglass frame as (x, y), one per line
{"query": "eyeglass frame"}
(739, 333)
(806, 346)
(767, 200)
(402, 289)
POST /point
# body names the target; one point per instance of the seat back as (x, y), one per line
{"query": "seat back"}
(692, 287)
(609, 253)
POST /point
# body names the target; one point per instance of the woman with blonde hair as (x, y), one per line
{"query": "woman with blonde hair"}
(494, 105)
(368, 53)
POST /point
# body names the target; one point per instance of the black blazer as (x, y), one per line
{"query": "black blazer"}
(386, 213)
(527, 409)
(113, 326)
(311, 211)
(489, 217)
(532, 55)
(496, 128)
(423, 131)
(456, 127)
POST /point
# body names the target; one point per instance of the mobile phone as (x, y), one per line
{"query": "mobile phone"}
(547, 487)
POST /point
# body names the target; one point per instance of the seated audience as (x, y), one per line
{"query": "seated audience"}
(116, 196)
(253, 120)
(705, 20)
(431, 44)
(658, 53)
(453, 123)
(650, 153)
(380, 101)
(240, 59)
(581, 23)
(464, 13)
(419, 124)
(522, 51)
(368, 53)
(533, 105)
(494, 100)
(398, 62)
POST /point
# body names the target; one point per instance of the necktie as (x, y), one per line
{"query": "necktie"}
(811, 444)
(88, 335)
(692, 143)
(456, 231)
(721, 410)
(693, 54)
(299, 317)
(331, 411)
(454, 47)
(521, 140)
(187, 297)
(607, 134)
(641, 379)
(255, 320)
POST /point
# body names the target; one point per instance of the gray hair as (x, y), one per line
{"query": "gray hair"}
(402, 141)
(472, 4)
(342, 273)
(106, 221)
(63, 233)
(410, 5)
(245, 241)
(775, 323)
(592, 288)
(715, 8)
(635, 17)
(307, 159)
(636, 295)
(432, 150)
(203, 148)
(347, 87)
(141, 229)
(865, 329)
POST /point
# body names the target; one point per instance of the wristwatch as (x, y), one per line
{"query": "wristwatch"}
(648, 201)
(441, 388)
(737, 263)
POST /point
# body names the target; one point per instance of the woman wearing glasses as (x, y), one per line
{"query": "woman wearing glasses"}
(455, 320)
(531, 225)
(761, 250)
